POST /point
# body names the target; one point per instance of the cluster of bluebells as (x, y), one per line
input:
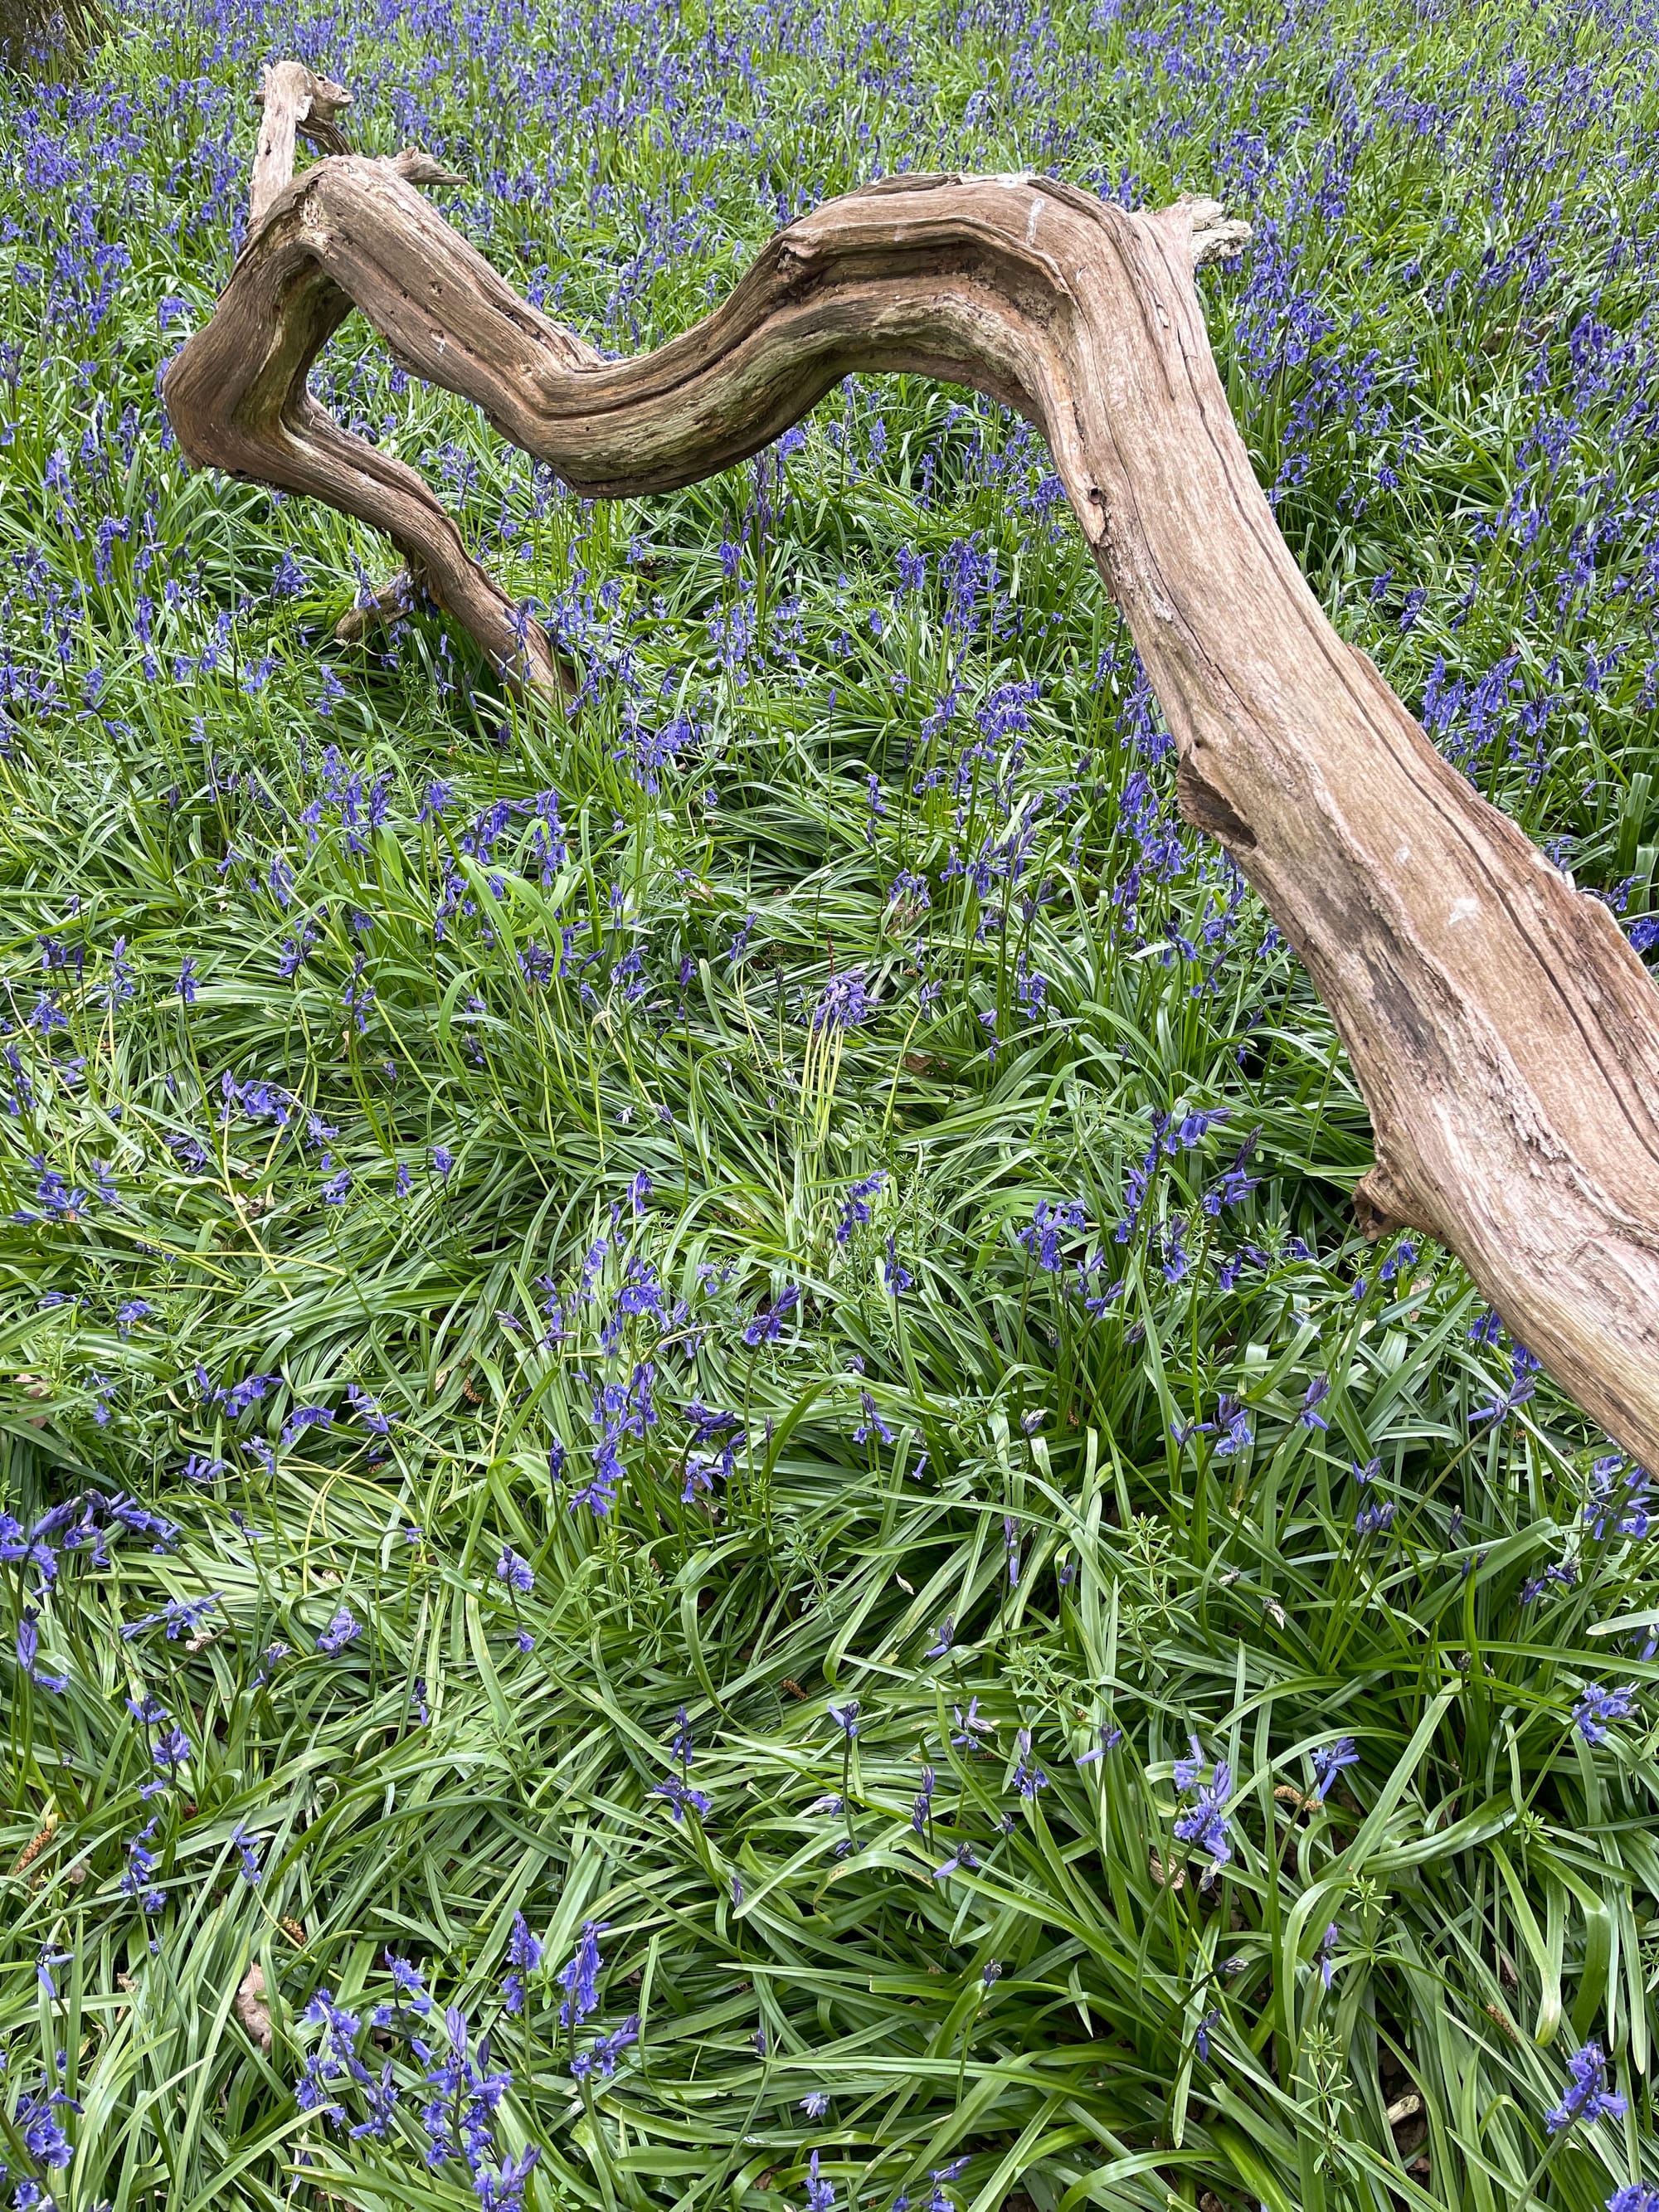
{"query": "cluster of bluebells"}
(1588, 2096)
(1202, 1821)
(460, 2093)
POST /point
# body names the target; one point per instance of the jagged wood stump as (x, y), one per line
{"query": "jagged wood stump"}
(1504, 1034)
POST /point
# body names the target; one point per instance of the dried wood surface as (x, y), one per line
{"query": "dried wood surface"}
(1505, 1036)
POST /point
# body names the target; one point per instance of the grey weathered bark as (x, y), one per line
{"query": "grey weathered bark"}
(1504, 1034)
(48, 38)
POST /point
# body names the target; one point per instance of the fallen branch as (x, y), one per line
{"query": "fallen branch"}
(1504, 1034)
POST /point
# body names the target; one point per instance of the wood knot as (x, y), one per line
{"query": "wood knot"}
(1206, 808)
(1382, 1203)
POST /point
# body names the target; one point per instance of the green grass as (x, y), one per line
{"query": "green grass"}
(1443, 366)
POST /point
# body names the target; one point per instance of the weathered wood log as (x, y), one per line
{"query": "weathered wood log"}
(1505, 1036)
(293, 101)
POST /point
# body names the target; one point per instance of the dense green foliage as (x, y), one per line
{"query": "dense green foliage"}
(417, 1111)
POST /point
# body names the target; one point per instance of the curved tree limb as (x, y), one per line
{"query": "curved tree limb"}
(1505, 1036)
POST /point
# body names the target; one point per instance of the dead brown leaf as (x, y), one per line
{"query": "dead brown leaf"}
(250, 2006)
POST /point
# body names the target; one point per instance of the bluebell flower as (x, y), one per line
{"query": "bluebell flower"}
(524, 1956)
(896, 1275)
(607, 2049)
(187, 986)
(249, 1857)
(1111, 1736)
(815, 2104)
(171, 1749)
(339, 1632)
(29, 1652)
(872, 1424)
(844, 1002)
(410, 1986)
(682, 1746)
(1328, 1761)
(846, 1717)
(1205, 1820)
(1310, 1417)
(680, 1795)
(382, 2096)
(515, 1572)
(46, 1959)
(1588, 2096)
(820, 2194)
(306, 1417)
(922, 1811)
(1598, 1706)
(940, 2176)
(1523, 1373)
(1399, 1261)
(1232, 1425)
(579, 1978)
(855, 1208)
(367, 1410)
(767, 1325)
(179, 1616)
(142, 1863)
(1028, 1777)
(942, 1639)
(971, 1726)
(1041, 1237)
(1325, 1954)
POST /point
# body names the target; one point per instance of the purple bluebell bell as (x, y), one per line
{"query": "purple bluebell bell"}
(855, 1206)
(28, 1653)
(1597, 1707)
(601, 2060)
(524, 1956)
(1328, 1761)
(767, 1325)
(578, 1976)
(682, 1795)
(1588, 2096)
(515, 1572)
(340, 1632)
(1205, 1821)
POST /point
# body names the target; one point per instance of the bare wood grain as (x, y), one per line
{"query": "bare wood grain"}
(1505, 1036)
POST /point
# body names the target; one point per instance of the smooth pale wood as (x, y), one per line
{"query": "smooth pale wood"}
(293, 101)
(1504, 1034)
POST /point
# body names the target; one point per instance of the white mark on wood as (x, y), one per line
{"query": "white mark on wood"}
(1402, 856)
(1031, 223)
(1463, 909)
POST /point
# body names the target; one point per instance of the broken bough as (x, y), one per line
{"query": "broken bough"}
(1504, 1034)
